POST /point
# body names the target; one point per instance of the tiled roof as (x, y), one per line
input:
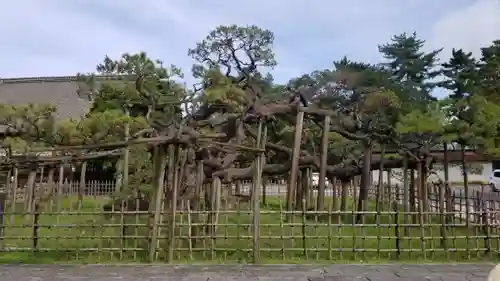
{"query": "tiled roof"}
(60, 91)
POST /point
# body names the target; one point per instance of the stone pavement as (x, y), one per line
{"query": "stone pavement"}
(448, 272)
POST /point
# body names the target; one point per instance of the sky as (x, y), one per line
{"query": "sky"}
(60, 37)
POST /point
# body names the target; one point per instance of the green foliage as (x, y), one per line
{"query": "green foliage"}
(421, 127)
(461, 74)
(380, 110)
(489, 74)
(420, 121)
(32, 123)
(145, 92)
(235, 50)
(145, 87)
(342, 147)
(411, 68)
(222, 91)
(486, 124)
(97, 127)
(17, 144)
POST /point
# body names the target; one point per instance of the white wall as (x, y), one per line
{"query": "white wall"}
(455, 174)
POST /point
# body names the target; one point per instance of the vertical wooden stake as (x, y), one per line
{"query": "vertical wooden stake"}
(413, 206)
(322, 164)
(335, 196)
(443, 234)
(160, 163)
(190, 229)
(124, 184)
(197, 201)
(81, 188)
(14, 193)
(292, 183)
(257, 183)
(447, 190)
(50, 191)
(214, 214)
(3, 199)
(8, 183)
(406, 196)
(178, 166)
(299, 190)
(389, 183)
(265, 181)
(465, 175)
(42, 174)
(60, 188)
(310, 199)
(118, 177)
(126, 152)
(165, 201)
(38, 197)
(30, 190)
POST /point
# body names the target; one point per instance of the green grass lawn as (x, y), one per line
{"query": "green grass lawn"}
(93, 238)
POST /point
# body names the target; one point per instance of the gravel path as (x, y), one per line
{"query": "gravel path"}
(449, 272)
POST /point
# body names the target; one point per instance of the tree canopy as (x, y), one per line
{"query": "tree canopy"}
(389, 105)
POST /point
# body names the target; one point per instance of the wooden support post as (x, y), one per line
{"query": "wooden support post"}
(14, 193)
(3, 199)
(81, 188)
(126, 153)
(197, 203)
(292, 182)
(406, 196)
(31, 189)
(447, 190)
(8, 182)
(178, 167)
(160, 165)
(311, 203)
(257, 184)
(322, 165)
(60, 188)
(265, 184)
(214, 214)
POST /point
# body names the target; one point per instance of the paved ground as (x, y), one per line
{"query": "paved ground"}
(459, 272)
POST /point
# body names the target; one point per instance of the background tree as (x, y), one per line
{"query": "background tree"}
(31, 125)
(413, 69)
(143, 96)
(229, 61)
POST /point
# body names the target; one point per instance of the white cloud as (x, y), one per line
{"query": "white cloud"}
(470, 27)
(57, 37)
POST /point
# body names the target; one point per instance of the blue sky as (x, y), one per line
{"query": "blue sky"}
(57, 37)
